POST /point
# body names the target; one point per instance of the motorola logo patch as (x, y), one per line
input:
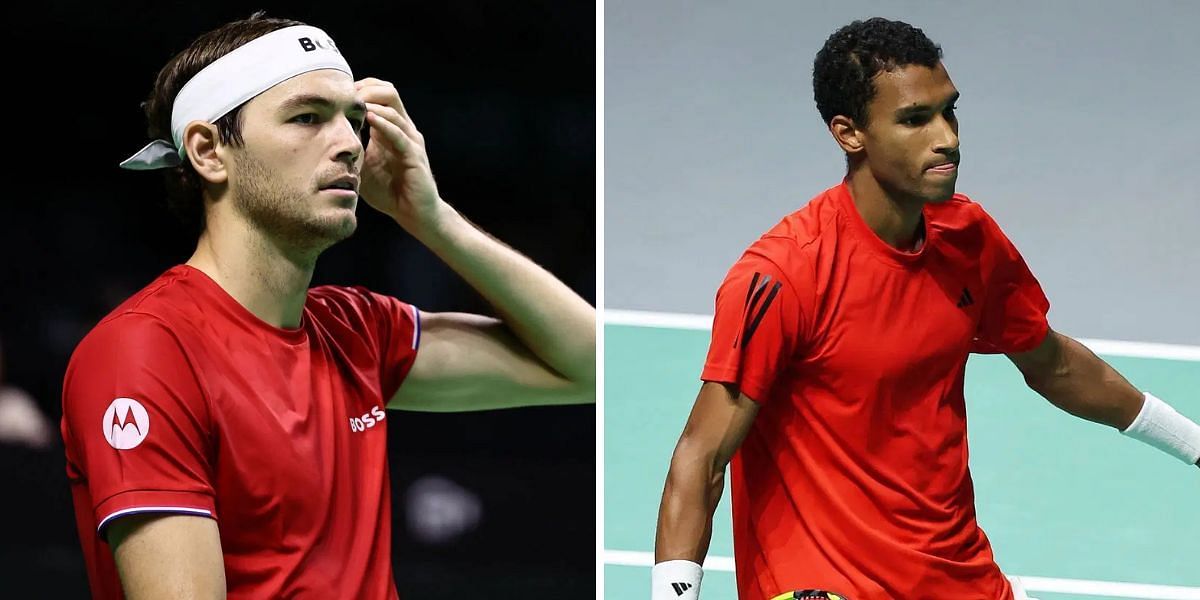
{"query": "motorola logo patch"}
(125, 423)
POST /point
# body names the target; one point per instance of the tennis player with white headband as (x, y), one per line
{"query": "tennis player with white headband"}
(235, 78)
(225, 427)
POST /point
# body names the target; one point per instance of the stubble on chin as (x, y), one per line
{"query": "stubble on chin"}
(288, 213)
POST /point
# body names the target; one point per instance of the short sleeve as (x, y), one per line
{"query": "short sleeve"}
(399, 327)
(391, 328)
(1015, 307)
(756, 327)
(135, 422)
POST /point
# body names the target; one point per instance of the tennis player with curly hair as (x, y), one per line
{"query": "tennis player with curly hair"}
(834, 378)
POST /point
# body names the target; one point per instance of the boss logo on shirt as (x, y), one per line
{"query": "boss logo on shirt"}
(368, 420)
(125, 423)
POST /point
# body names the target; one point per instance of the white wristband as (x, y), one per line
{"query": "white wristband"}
(676, 580)
(1164, 428)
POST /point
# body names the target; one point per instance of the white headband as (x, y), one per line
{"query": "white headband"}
(235, 78)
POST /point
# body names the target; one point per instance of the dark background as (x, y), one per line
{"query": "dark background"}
(505, 95)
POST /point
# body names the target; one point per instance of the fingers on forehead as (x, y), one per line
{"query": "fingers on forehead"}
(379, 95)
(369, 81)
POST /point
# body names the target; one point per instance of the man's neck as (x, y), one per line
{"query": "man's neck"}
(897, 221)
(255, 271)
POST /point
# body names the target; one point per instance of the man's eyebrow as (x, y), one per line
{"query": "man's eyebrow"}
(313, 100)
(916, 109)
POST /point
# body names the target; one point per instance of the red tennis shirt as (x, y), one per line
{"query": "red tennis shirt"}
(853, 477)
(182, 401)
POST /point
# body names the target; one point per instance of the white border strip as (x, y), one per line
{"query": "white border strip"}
(638, 318)
(599, 324)
(1110, 589)
(416, 326)
(153, 509)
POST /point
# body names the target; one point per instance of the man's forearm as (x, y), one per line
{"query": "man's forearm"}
(557, 325)
(685, 515)
(1089, 388)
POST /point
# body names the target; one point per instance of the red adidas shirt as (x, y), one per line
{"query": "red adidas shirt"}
(854, 475)
(182, 401)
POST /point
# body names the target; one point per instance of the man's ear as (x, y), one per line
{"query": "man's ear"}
(848, 135)
(201, 141)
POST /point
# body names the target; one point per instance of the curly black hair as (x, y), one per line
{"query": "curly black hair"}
(855, 54)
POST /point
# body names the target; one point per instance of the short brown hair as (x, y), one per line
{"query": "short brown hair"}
(185, 197)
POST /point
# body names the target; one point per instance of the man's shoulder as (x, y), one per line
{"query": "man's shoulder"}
(964, 224)
(338, 294)
(133, 341)
(156, 308)
(791, 243)
(355, 307)
(346, 301)
(960, 211)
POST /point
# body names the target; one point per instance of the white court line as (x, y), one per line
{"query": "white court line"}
(1109, 589)
(661, 320)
